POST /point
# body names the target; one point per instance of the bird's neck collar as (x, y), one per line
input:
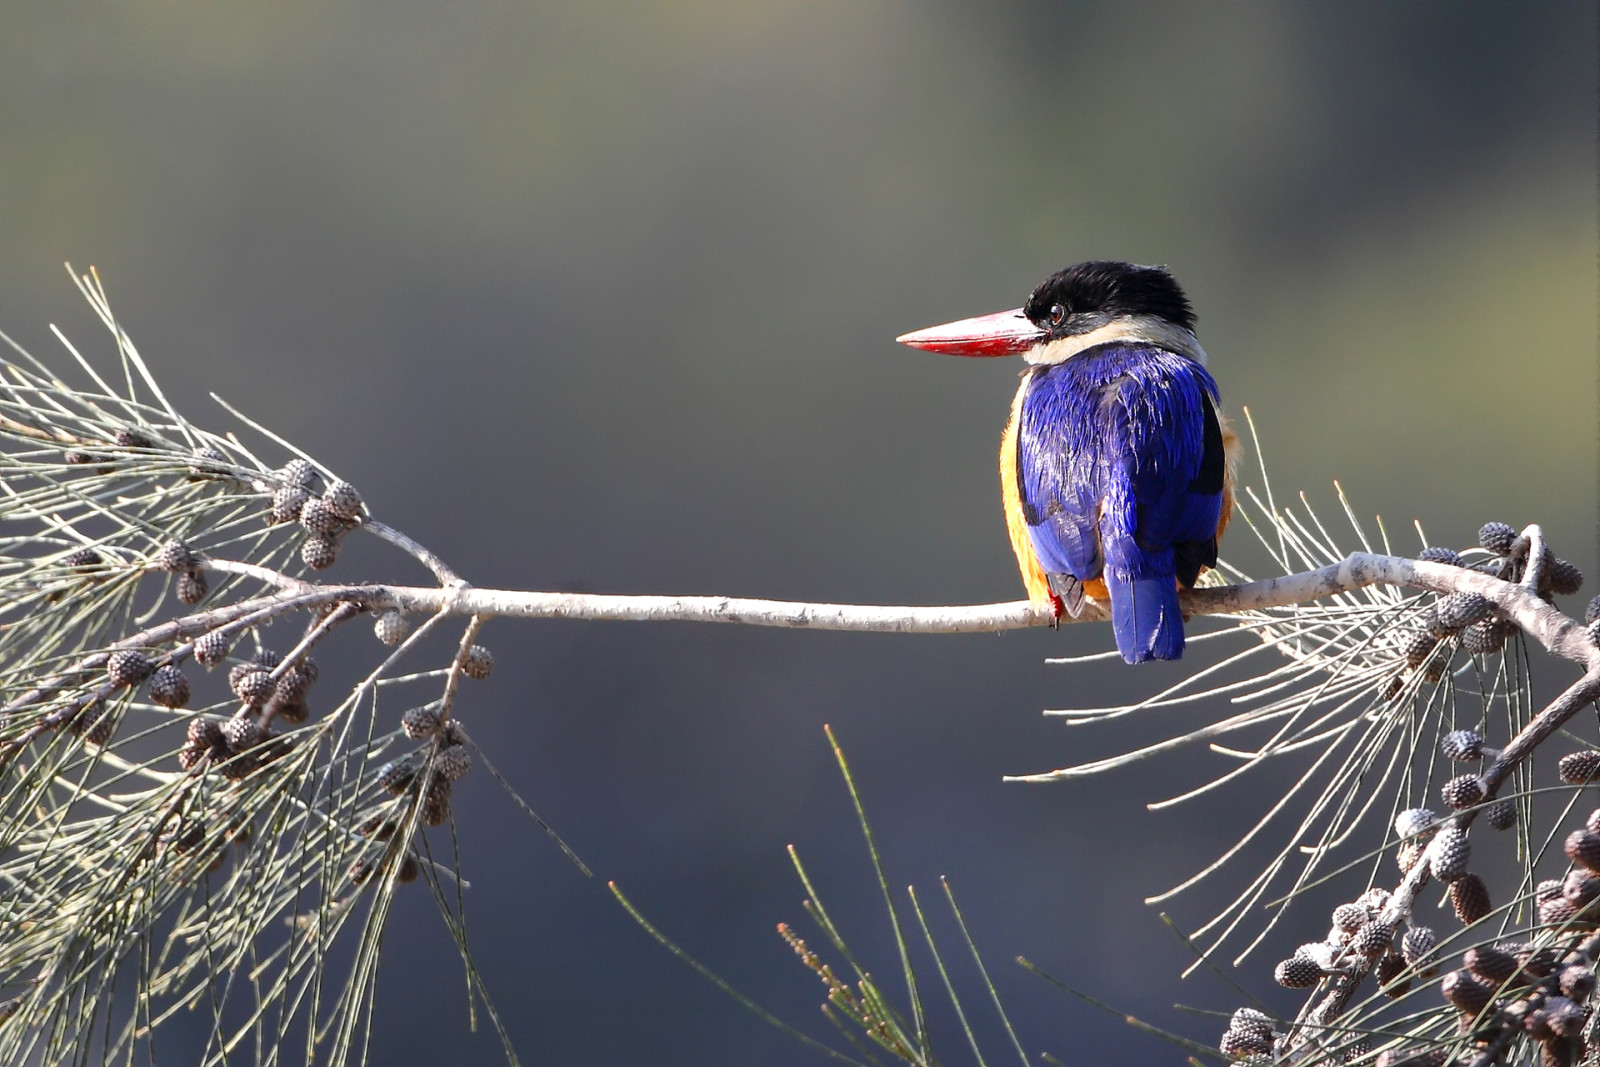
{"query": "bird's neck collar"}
(1144, 329)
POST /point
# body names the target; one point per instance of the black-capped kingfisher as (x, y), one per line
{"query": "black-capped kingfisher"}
(1116, 468)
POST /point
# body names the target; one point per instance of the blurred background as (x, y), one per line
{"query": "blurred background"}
(602, 296)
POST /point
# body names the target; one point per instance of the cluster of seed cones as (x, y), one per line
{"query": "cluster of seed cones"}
(435, 767)
(1468, 618)
(325, 518)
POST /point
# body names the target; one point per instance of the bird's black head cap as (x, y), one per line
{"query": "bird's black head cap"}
(1090, 295)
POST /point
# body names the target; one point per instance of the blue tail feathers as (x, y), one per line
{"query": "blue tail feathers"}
(1145, 616)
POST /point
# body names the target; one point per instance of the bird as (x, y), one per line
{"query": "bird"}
(1116, 466)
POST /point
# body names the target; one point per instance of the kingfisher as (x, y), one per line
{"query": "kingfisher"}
(1116, 467)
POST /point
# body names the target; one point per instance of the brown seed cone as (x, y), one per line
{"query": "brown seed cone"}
(1469, 995)
(452, 762)
(1297, 972)
(1579, 768)
(1577, 983)
(1386, 971)
(1557, 913)
(1236, 1045)
(1580, 887)
(1592, 823)
(192, 587)
(410, 870)
(1350, 917)
(211, 649)
(168, 687)
(436, 806)
(1566, 1017)
(255, 686)
(1559, 1052)
(1462, 791)
(478, 663)
(1583, 848)
(396, 776)
(1470, 898)
(1417, 949)
(128, 667)
(1493, 965)
(1448, 854)
(319, 552)
(420, 722)
(1373, 939)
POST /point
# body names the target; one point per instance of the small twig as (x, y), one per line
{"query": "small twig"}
(421, 553)
(452, 681)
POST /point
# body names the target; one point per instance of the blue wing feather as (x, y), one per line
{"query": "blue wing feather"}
(1117, 453)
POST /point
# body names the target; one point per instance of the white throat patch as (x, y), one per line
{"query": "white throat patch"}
(1147, 329)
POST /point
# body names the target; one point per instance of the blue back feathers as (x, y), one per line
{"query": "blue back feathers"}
(1120, 470)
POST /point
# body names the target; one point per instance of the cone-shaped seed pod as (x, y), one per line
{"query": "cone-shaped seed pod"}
(1470, 899)
(211, 649)
(420, 722)
(1566, 1018)
(174, 556)
(1434, 626)
(478, 662)
(319, 552)
(1548, 889)
(1537, 1025)
(1591, 613)
(241, 733)
(83, 559)
(1386, 972)
(1414, 821)
(1448, 854)
(1539, 963)
(254, 686)
(1251, 1021)
(319, 518)
(292, 686)
(390, 627)
(1579, 768)
(1501, 815)
(1435, 554)
(436, 805)
(1297, 972)
(1592, 823)
(130, 438)
(1418, 647)
(293, 714)
(297, 472)
(1350, 917)
(1236, 1045)
(1463, 791)
(1593, 630)
(266, 659)
(1583, 848)
(205, 731)
(192, 587)
(1493, 965)
(451, 763)
(409, 871)
(286, 504)
(1497, 537)
(1373, 939)
(168, 687)
(396, 776)
(128, 667)
(1462, 745)
(189, 755)
(1482, 638)
(1580, 887)
(1577, 982)
(1557, 913)
(1469, 995)
(1459, 610)
(1562, 578)
(343, 500)
(99, 730)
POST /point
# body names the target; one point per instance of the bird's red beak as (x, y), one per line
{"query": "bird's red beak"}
(1007, 333)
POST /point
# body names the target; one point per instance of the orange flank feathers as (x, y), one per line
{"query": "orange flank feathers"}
(1033, 576)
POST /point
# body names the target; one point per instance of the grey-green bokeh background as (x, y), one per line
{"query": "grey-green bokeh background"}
(601, 296)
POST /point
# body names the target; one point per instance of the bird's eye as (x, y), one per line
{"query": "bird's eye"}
(1057, 313)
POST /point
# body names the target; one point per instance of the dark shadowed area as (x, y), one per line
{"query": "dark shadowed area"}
(602, 296)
